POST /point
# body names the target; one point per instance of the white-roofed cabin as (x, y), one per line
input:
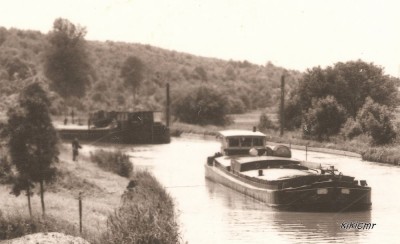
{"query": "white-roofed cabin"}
(239, 142)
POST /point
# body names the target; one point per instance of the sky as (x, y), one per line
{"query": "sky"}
(294, 34)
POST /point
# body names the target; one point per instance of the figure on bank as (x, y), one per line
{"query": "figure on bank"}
(75, 149)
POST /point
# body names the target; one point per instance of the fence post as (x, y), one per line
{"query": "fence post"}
(80, 212)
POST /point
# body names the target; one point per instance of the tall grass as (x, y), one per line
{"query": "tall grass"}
(114, 161)
(13, 226)
(389, 155)
(146, 215)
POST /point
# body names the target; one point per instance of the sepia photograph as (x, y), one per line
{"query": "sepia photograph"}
(199, 121)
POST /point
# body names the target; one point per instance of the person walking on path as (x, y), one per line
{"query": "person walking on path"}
(75, 149)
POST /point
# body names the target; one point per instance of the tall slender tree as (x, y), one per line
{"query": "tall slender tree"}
(32, 140)
(67, 62)
(132, 73)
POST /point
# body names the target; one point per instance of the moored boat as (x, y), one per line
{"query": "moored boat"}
(118, 127)
(247, 165)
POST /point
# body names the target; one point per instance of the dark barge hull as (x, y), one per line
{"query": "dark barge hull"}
(304, 198)
(153, 134)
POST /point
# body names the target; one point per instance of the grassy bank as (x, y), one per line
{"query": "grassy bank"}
(389, 155)
(145, 216)
(102, 191)
(17, 225)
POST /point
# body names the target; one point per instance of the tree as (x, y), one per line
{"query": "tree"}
(265, 122)
(350, 83)
(376, 121)
(17, 69)
(351, 128)
(32, 140)
(201, 106)
(324, 118)
(201, 73)
(132, 73)
(293, 112)
(67, 62)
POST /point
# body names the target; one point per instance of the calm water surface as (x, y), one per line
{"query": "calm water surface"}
(212, 213)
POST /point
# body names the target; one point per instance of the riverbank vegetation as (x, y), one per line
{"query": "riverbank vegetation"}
(358, 144)
(114, 161)
(16, 225)
(145, 216)
(146, 212)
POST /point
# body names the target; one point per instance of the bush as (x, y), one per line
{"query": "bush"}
(201, 106)
(265, 122)
(116, 162)
(351, 129)
(376, 121)
(146, 215)
(235, 105)
(324, 118)
(382, 155)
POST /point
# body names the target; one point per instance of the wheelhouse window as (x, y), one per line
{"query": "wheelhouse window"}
(258, 142)
(233, 142)
(246, 142)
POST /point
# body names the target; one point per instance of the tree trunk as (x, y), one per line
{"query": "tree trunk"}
(42, 198)
(28, 193)
(134, 98)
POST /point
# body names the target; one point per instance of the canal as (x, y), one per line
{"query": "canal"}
(212, 213)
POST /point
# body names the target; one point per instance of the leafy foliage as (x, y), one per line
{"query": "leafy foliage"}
(67, 64)
(32, 138)
(350, 83)
(247, 85)
(293, 113)
(6, 172)
(116, 162)
(201, 105)
(146, 215)
(351, 128)
(324, 118)
(265, 122)
(376, 121)
(132, 72)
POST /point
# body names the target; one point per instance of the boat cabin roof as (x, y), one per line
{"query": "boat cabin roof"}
(269, 159)
(262, 162)
(239, 142)
(234, 133)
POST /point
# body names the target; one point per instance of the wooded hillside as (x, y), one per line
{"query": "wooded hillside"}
(246, 85)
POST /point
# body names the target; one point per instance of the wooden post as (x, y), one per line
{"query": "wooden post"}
(282, 108)
(167, 115)
(80, 212)
(42, 198)
(28, 192)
